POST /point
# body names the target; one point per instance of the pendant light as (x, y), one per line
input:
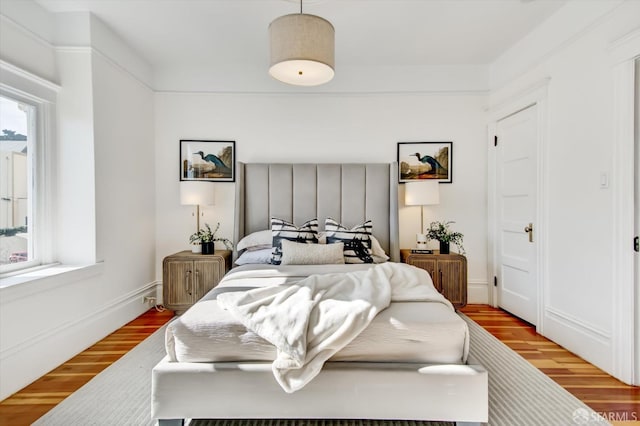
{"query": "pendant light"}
(302, 49)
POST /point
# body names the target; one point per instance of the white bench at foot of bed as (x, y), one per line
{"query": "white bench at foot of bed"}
(343, 390)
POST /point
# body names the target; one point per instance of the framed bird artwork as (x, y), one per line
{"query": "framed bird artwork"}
(207, 160)
(425, 160)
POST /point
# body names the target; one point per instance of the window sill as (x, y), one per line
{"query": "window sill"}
(40, 279)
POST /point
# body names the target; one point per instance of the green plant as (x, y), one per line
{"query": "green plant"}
(206, 235)
(194, 238)
(441, 231)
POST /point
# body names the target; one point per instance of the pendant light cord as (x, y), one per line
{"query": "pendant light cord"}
(300, 7)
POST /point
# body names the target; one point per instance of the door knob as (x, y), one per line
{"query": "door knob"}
(529, 230)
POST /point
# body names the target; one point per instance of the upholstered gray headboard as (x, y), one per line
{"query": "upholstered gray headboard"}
(349, 193)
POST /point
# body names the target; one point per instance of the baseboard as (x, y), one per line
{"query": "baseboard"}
(477, 292)
(159, 292)
(22, 364)
(585, 340)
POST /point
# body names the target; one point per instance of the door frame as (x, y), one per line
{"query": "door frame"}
(626, 365)
(536, 94)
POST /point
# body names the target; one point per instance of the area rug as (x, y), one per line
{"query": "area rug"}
(519, 394)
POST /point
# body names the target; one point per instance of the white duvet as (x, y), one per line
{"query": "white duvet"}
(311, 320)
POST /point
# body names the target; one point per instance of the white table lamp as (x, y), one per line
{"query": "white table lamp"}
(196, 193)
(422, 193)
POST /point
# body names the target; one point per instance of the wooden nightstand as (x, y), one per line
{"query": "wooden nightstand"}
(187, 276)
(448, 272)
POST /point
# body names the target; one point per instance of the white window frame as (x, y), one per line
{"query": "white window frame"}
(32, 117)
(41, 94)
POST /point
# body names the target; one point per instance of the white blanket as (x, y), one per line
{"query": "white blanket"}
(311, 320)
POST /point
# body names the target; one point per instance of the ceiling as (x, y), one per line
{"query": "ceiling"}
(403, 33)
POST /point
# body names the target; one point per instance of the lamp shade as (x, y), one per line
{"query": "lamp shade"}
(196, 193)
(422, 193)
(302, 49)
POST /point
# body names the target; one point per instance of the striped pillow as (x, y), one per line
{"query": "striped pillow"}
(357, 240)
(283, 230)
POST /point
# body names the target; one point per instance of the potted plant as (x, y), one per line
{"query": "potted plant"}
(440, 231)
(196, 244)
(207, 239)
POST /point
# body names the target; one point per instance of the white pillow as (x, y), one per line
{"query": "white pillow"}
(259, 238)
(377, 252)
(254, 256)
(311, 254)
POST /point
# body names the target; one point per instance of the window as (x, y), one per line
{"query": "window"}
(18, 235)
(27, 178)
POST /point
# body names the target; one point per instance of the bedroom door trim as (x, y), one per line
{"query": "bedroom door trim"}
(626, 366)
(536, 94)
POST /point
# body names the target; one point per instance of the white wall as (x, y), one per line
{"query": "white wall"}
(578, 303)
(104, 202)
(75, 241)
(26, 30)
(124, 181)
(181, 77)
(326, 128)
(550, 38)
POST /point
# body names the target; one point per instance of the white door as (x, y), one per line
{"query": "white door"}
(637, 214)
(517, 137)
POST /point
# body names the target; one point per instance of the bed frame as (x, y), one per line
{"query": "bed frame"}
(349, 193)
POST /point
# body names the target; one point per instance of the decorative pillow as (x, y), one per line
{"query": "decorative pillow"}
(260, 247)
(377, 252)
(254, 256)
(261, 239)
(357, 240)
(322, 237)
(311, 254)
(283, 230)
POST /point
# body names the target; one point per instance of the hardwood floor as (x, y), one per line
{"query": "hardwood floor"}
(612, 399)
(32, 402)
(616, 401)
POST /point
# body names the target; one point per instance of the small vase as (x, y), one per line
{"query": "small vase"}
(196, 248)
(444, 247)
(207, 248)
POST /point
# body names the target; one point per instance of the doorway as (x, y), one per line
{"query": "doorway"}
(636, 215)
(516, 177)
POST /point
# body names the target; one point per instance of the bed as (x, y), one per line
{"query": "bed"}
(429, 378)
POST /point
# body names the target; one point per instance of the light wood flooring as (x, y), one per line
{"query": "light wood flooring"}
(612, 399)
(32, 402)
(597, 389)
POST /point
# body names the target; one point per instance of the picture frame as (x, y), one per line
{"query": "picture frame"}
(207, 160)
(425, 160)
